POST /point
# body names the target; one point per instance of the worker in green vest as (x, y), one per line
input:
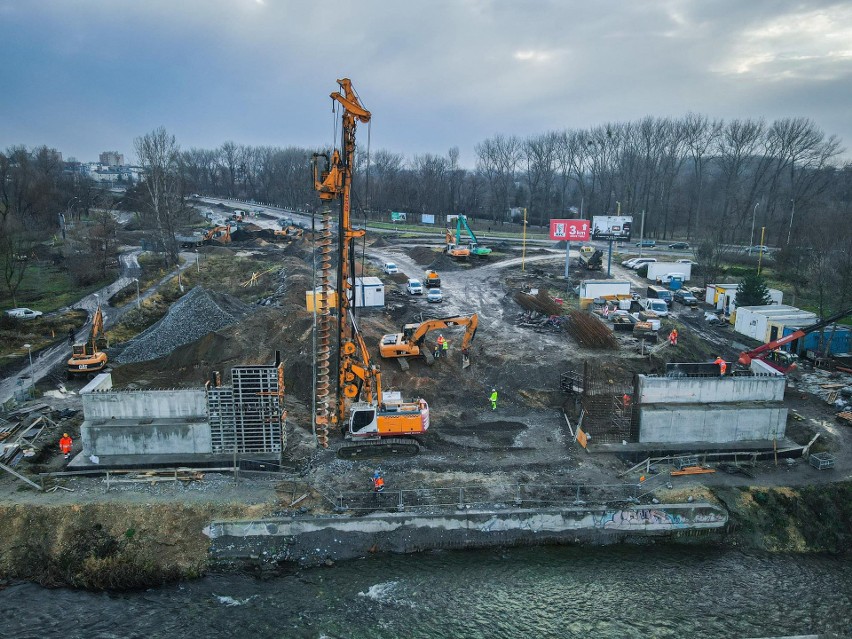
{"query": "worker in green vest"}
(493, 399)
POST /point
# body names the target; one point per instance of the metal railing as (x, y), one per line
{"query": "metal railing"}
(496, 496)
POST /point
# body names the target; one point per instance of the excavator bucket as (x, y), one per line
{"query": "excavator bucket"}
(465, 360)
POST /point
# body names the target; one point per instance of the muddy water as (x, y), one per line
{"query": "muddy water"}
(532, 592)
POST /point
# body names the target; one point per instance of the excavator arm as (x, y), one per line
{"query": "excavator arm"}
(470, 321)
(746, 357)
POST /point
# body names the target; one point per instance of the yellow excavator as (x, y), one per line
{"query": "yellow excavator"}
(219, 234)
(88, 358)
(455, 250)
(373, 422)
(409, 343)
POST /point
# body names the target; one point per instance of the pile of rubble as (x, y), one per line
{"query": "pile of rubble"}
(833, 388)
(196, 314)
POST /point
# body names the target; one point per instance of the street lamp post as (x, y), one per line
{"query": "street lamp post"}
(136, 279)
(753, 216)
(792, 212)
(32, 373)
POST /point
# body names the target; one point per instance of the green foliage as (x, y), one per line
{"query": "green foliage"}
(753, 291)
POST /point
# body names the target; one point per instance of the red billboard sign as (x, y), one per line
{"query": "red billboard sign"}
(569, 230)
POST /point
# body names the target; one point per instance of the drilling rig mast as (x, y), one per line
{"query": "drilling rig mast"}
(358, 378)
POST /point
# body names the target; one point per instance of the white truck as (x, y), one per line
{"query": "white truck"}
(593, 289)
(657, 306)
(659, 270)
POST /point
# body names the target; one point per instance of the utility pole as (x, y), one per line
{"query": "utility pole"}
(792, 212)
(642, 233)
(753, 216)
(524, 249)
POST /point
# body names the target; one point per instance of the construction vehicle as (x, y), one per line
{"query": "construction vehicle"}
(473, 244)
(591, 258)
(88, 358)
(218, 234)
(454, 249)
(773, 355)
(432, 280)
(409, 343)
(290, 232)
(373, 424)
(238, 215)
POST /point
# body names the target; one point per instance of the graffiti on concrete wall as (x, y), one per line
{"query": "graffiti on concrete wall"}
(634, 518)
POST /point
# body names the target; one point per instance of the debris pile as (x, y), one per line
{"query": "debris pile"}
(590, 331)
(196, 314)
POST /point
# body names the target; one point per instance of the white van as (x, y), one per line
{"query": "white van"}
(656, 305)
(390, 268)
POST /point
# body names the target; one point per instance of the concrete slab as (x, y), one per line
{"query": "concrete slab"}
(656, 449)
(146, 462)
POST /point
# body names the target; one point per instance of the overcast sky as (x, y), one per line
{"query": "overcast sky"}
(90, 75)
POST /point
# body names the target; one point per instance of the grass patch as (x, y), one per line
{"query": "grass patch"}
(46, 288)
(39, 333)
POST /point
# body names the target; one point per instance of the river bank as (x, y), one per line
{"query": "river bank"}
(115, 546)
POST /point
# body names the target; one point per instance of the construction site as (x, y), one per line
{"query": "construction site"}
(508, 391)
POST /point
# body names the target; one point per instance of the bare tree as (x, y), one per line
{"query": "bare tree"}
(159, 155)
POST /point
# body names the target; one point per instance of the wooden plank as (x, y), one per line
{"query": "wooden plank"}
(692, 470)
(21, 477)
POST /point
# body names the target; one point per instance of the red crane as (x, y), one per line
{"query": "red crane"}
(782, 360)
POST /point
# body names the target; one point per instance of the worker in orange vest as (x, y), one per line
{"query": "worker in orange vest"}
(723, 365)
(625, 401)
(441, 348)
(673, 337)
(378, 482)
(65, 444)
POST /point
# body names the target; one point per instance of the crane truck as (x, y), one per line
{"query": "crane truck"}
(473, 244)
(88, 358)
(409, 343)
(782, 361)
(372, 423)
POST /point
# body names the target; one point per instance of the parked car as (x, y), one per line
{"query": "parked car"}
(639, 261)
(647, 243)
(414, 287)
(758, 249)
(629, 261)
(657, 306)
(686, 298)
(679, 245)
(434, 295)
(390, 268)
(667, 278)
(23, 313)
(686, 261)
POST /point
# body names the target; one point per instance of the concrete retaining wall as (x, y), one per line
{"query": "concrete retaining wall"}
(164, 437)
(313, 540)
(704, 390)
(714, 423)
(145, 404)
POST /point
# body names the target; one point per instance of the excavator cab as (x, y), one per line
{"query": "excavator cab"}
(363, 421)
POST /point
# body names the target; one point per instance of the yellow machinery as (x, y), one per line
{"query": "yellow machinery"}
(409, 343)
(88, 358)
(453, 249)
(219, 234)
(290, 232)
(371, 424)
(432, 279)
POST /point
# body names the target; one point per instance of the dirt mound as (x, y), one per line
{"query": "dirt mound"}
(379, 242)
(423, 255)
(214, 250)
(194, 315)
(444, 263)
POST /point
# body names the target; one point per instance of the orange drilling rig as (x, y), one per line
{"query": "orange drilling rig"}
(372, 422)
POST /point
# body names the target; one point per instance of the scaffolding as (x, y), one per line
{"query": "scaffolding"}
(607, 401)
(248, 416)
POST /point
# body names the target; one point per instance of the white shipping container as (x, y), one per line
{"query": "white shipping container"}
(657, 269)
(592, 289)
(750, 323)
(756, 321)
(369, 291)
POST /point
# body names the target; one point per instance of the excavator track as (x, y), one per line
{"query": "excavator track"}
(379, 448)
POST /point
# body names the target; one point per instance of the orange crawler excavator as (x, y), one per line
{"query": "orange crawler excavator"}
(88, 358)
(409, 343)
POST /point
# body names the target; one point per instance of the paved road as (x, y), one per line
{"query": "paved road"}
(47, 359)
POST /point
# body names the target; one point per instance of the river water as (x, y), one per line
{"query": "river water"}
(565, 592)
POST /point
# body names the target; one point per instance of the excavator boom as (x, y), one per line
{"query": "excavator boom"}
(746, 357)
(409, 343)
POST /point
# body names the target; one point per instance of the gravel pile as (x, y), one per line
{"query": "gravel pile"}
(193, 316)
